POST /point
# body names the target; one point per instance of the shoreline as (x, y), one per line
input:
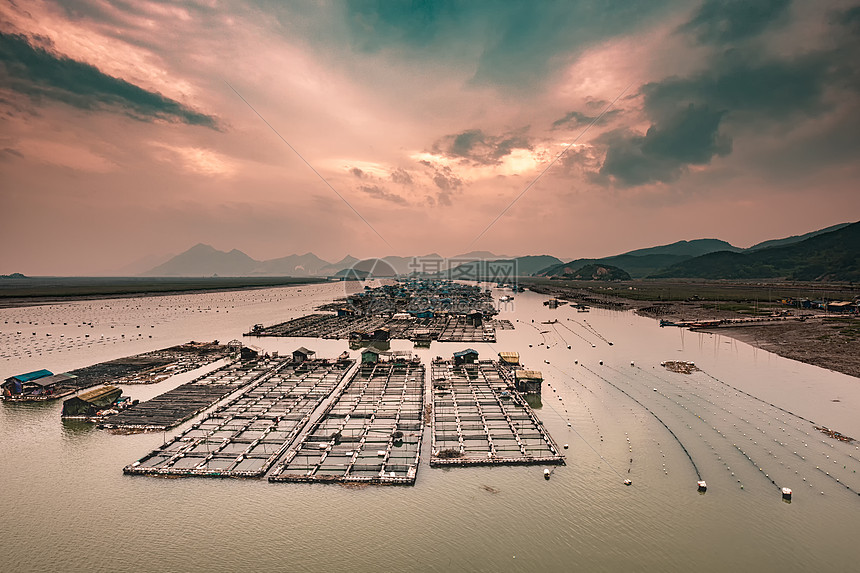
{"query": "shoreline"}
(825, 341)
(18, 293)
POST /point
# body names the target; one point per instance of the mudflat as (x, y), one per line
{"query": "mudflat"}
(808, 335)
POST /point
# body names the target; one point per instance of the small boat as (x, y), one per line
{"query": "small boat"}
(786, 493)
(703, 487)
(546, 474)
(628, 481)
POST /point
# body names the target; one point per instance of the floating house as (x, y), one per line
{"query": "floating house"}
(509, 358)
(382, 334)
(468, 356)
(89, 403)
(528, 381)
(369, 356)
(38, 386)
(301, 354)
(475, 318)
(16, 384)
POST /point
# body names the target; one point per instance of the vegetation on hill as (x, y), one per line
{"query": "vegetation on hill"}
(598, 272)
(833, 256)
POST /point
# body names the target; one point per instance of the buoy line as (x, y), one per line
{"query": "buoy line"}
(693, 463)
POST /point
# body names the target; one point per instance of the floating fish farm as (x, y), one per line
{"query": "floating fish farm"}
(370, 433)
(183, 402)
(245, 436)
(479, 418)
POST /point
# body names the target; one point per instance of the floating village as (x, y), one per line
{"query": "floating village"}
(305, 418)
(367, 415)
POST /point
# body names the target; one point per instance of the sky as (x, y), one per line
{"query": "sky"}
(133, 130)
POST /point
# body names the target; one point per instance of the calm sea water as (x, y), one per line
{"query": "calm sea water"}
(66, 505)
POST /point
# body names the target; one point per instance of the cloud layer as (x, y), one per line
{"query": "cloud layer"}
(429, 118)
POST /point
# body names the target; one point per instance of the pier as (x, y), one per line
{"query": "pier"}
(370, 433)
(245, 436)
(479, 418)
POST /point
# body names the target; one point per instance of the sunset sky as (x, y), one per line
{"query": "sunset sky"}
(122, 140)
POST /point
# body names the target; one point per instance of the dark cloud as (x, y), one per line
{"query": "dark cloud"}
(849, 18)
(577, 118)
(39, 74)
(446, 180)
(8, 152)
(448, 183)
(775, 89)
(357, 172)
(727, 21)
(689, 137)
(382, 193)
(401, 176)
(694, 118)
(480, 148)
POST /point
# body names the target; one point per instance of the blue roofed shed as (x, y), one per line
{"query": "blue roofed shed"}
(468, 356)
(15, 384)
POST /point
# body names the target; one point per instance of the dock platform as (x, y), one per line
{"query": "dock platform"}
(248, 434)
(371, 433)
(480, 419)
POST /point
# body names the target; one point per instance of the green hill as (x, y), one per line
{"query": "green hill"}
(643, 262)
(833, 256)
(636, 266)
(796, 238)
(598, 272)
(692, 248)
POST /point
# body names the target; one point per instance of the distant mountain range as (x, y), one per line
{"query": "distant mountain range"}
(827, 254)
(205, 260)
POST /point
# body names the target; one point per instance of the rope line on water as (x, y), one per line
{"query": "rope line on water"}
(695, 467)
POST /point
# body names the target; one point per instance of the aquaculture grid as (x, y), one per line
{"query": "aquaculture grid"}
(480, 419)
(370, 434)
(245, 436)
(187, 400)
